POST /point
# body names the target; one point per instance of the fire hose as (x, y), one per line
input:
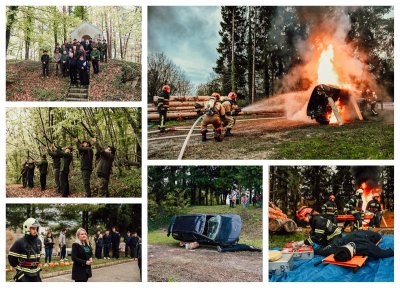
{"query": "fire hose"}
(188, 137)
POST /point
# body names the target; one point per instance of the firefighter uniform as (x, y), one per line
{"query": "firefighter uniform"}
(354, 207)
(214, 114)
(374, 206)
(323, 231)
(162, 107)
(24, 255)
(228, 122)
(330, 211)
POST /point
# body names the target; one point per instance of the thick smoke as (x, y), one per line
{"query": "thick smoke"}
(326, 25)
(368, 174)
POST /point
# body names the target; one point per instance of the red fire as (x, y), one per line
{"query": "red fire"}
(368, 193)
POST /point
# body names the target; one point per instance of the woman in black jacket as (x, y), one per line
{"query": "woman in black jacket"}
(82, 257)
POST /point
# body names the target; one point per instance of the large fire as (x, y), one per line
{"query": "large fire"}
(368, 193)
(327, 74)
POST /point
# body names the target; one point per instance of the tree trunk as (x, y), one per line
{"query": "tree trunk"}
(64, 9)
(28, 31)
(10, 23)
(233, 72)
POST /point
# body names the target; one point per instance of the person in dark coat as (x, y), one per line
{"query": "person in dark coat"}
(115, 240)
(107, 244)
(43, 165)
(134, 245)
(72, 69)
(55, 154)
(81, 255)
(31, 173)
(64, 170)
(45, 59)
(86, 153)
(104, 167)
(83, 67)
(127, 241)
(48, 246)
(99, 245)
(64, 63)
(24, 174)
(365, 245)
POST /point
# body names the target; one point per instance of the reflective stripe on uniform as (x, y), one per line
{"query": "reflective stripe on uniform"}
(310, 241)
(335, 233)
(24, 256)
(319, 231)
(23, 269)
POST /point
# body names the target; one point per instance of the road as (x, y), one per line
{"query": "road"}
(124, 272)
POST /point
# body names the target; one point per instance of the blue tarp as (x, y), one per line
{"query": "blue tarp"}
(374, 270)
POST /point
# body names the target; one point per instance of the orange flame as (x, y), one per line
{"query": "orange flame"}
(368, 193)
(326, 71)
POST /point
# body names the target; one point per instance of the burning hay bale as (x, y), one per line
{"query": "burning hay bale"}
(331, 104)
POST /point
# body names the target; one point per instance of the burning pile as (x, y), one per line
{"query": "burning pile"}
(367, 179)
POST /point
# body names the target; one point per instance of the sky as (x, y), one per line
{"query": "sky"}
(188, 36)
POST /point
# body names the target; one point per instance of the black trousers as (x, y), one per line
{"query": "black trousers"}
(96, 68)
(21, 277)
(84, 77)
(58, 66)
(73, 75)
(57, 179)
(45, 68)
(106, 251)
(63, 252)
(115, 249)
(43, 181)
(64, 69)
(86, 181)
(98, 251)
(64, 184)
(30, 177)
(162, 112)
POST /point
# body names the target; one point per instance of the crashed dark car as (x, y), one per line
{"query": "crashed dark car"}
(209, 229)
(319, 107)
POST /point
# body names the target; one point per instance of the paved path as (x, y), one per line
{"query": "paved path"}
(124, 272)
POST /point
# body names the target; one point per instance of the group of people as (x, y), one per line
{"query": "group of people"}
(217, 111)
(111, 241)
(62, 159)
(328, 235)
(25, 253)
(73, 58)
(234, 198)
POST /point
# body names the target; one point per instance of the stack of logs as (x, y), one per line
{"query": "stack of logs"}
(179, 107)
(279, 221)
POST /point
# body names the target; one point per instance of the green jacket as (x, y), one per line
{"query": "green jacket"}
(65, 161)
(42, 165)
(104, 165)
(95, 54)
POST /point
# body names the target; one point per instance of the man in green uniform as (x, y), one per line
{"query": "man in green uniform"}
(64, 170)
(86, 153)
(42, 165)
(104, 166)
(55, 154)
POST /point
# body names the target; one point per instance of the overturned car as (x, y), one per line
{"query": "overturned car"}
(209, 229)
(329, 101)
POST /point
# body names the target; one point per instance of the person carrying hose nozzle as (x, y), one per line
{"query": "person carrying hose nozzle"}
(214, 114)
(231, 109)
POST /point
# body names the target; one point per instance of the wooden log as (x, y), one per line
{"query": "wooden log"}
(288, 225)
(184, 98)
(173, 115)
(178, 108)
(335, 111)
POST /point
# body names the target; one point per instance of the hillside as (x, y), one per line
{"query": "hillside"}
(25, 82)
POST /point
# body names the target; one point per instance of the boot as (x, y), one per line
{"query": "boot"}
(228, 132)
(218, 135)
(204, 136)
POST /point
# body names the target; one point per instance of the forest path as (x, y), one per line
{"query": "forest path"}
(17, 191)
(173, 263)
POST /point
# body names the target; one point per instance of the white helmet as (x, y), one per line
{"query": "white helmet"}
(359, 192)
(30, 222)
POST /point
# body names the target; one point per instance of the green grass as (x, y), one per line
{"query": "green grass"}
(360, 140)
(279, 240)
(251, 233)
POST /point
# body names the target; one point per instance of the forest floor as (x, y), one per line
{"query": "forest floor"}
(25, 83)
(280, 138)
(17, 191)
(167, 262)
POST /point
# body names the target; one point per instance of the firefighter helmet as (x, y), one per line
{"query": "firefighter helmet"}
(303, 212)
(332, 197)
(232, 95)
(166, 88)
(375, 195)
(30, 222)
(359, 192)
(216, 95)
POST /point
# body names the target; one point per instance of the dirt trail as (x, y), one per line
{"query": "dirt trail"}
(16, 190)
(206, 264)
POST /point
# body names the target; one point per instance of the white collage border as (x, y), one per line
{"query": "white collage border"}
(143, 104)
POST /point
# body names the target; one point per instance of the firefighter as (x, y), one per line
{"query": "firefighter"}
(323, 231)
(162, 107)
(374, 206)
(214, 114)
(354, 207)
(329, 209)
(370, 99)
(231, 109)
(24, 254)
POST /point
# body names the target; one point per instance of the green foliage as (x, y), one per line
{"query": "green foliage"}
(44, 94)
(279, 240)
